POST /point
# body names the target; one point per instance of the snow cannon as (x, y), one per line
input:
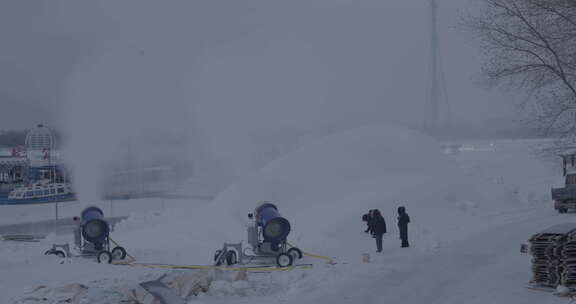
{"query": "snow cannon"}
(267, 235)
(93, 226)
(92, 238)
(275, 228)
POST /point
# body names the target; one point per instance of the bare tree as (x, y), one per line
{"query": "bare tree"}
(531, 45)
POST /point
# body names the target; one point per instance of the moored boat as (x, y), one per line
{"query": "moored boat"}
(43, 191)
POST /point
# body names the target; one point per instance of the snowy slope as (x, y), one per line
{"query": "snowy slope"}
(470, 212)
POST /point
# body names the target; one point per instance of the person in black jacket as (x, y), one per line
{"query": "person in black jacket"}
(403, 220)
(378, 229)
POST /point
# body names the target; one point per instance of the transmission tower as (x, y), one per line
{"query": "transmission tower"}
(438, 112)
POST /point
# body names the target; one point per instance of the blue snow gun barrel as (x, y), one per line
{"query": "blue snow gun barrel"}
(275, 228)
(94, 228)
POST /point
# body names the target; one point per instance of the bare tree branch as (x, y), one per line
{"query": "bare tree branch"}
(531, 45)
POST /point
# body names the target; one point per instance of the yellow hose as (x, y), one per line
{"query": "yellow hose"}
(250, 269)
(328, 259)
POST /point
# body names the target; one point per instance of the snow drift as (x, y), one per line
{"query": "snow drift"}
(323, 189)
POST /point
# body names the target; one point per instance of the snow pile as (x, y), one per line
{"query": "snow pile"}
(186, 285)
(260, 284)
(72, 293)
(323, 189)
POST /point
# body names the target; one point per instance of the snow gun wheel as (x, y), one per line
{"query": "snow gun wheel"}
(231, 258)
(216, 255)
(562, 210)
(284, 260)
(295, 253)
(104, 257)
(118, 253)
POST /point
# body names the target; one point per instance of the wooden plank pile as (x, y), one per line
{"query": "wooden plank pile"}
(554, 256)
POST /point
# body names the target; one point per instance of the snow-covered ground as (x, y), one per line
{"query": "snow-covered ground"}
(470, 212)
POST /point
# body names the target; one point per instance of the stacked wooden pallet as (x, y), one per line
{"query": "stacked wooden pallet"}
(569, 262)
(554, 256)
(546, 263)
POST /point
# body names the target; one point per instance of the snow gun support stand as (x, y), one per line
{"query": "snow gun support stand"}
(267, 235)
(92, 239)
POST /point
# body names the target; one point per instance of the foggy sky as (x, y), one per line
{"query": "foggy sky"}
(258, 64)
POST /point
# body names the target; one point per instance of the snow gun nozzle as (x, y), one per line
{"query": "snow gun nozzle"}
(275, 228)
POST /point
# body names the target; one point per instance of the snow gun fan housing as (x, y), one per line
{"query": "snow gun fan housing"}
(275, 228)
(93, 226)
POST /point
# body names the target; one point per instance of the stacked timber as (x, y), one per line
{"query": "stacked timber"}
(547, 262)
(569, 262)
(554, 256)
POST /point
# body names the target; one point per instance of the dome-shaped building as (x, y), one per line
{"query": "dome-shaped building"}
(40, 145)
(40, 138)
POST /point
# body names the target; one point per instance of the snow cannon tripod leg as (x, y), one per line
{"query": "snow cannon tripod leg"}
(219, 256)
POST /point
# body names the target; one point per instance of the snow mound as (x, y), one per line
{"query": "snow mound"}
(324, 188)
(366, 165)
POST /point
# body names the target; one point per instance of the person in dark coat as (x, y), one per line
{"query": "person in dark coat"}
(378, 229)
(403, 220)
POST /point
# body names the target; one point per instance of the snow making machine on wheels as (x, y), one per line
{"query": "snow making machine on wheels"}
(267, 237)
(92, 239)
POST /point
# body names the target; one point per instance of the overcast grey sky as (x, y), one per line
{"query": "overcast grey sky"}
(254, 64)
